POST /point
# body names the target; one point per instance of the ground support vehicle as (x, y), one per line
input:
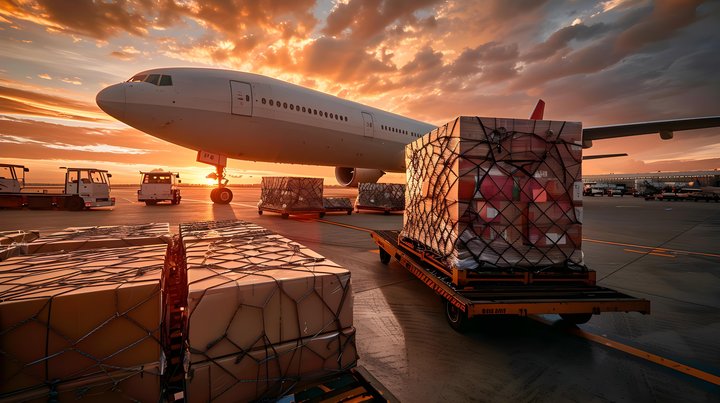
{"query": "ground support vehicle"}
(286, 213)
(84, 188)
(574, 296)
(159, 186)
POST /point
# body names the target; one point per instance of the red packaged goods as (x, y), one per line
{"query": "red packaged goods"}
(291, 194)
(381, 196)
(65, 317)
(491, 194)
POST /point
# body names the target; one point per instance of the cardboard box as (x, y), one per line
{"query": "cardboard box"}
(270, 373)
(141, 384)
(199, 231)
(113, 236)
(470, 184)
(66, 316)
(248, 293)
(14, 237)
(291, 193)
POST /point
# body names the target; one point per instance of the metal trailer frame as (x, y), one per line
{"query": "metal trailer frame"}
(347, 210)
(384, 210)
(354, 385)
(574, 299)
(286, 213)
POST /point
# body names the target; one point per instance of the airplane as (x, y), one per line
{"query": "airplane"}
(231, 114)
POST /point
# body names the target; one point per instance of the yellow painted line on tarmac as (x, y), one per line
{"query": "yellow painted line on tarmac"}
(653, 248)
(665, 362)
(374, 251)
(649, 253)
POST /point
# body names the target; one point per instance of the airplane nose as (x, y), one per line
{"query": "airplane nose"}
(112, 100)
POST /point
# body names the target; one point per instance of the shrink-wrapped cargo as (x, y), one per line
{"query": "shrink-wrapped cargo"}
(193, 232)
(291, 194)
(80, 315)
(13, 243)
(111, 236)
(492, 194)
(381, 196)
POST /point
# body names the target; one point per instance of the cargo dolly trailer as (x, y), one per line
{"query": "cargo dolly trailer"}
(574, 296)
(285, 213)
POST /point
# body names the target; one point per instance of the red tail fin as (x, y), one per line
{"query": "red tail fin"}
(539, 110)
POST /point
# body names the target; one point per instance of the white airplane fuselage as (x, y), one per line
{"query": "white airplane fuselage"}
(252, 117)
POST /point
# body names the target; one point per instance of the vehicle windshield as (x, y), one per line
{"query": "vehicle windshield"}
(156, 178)
(6, 173)
(154, 79)
(97, 177)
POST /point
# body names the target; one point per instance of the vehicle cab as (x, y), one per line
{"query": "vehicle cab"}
(93, 185)
(158, 186)
(12, 178)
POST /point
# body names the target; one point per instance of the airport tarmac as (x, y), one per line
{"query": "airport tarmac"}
(667, 252)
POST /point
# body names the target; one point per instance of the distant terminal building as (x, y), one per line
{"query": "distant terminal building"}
(688, 178)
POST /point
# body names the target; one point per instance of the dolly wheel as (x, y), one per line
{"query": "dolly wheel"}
(349, 212)
(384, 256)
(150, 202)
(456, 318)
(322, 215)
(260, 212)
(576, 318)
(285, 215)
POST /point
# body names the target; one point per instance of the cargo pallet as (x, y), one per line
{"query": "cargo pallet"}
(355, 385)
(574, 296)
(384, 210)
(286, 213)
(348, 210)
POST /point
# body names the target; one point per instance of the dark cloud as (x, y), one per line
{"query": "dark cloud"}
(561, 38)
(337, 60)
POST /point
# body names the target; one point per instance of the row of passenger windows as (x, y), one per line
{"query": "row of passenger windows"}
(401, 131)
(304, 109)
(155, 79)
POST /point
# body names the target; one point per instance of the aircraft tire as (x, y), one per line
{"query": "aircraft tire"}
(213, 195)
(224, 196)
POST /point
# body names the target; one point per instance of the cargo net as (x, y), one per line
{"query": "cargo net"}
(497, 194)
(78, 316)
(11, 242)
(207, 230)
(109, 232)
(337, 203)
(382, 196)
(258, 302)
(291, 194)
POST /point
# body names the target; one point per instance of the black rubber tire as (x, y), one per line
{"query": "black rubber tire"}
(213, 195)
(75, 203)
(285, 215)
(384, 256)
(150, 202)
(321, 215)
(224, 196)
(349, 212)
(386, 212)
(260, 212)
(456, 318)
(576, 318)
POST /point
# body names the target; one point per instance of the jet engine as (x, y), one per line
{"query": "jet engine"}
(350, 177)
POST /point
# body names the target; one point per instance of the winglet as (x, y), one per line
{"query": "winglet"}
(539, 110)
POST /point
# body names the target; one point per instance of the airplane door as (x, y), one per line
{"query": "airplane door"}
(368, 127)
(241, 98)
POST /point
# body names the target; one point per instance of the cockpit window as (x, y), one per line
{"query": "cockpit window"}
(166, 80)
(153, 79)
(138, 78)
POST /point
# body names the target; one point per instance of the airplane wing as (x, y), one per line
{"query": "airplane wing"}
(664, 127)
(595, 157)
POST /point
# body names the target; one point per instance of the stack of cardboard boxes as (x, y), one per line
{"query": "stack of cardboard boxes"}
(492, 194)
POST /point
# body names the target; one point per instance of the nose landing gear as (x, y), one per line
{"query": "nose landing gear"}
(221, 194)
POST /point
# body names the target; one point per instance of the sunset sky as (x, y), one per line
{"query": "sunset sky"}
(597, 62)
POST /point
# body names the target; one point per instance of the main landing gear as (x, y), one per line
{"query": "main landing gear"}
(221, 194)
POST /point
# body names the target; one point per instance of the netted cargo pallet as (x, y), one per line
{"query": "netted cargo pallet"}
(492, 194)
(338, 204)
(12, 243)
(213, 230)
(385, 197)
(71, 317)
(113, 236)
(260, 302)
(291, 195)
